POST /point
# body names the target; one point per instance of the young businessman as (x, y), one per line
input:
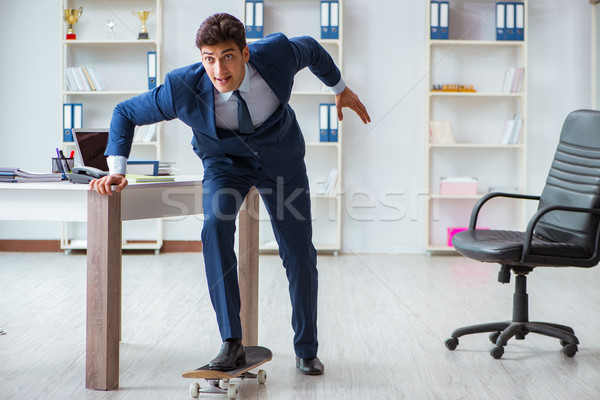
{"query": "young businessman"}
(245, 132)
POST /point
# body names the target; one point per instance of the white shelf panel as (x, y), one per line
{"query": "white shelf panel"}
(110, 42)
(474, 94)
(103, 92)
(312, 93)
(322, 144)
(476, 146)
(504, 43)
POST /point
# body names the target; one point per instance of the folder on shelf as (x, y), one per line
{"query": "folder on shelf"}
(334, 20)
(324, 122)
(510, 21)
(519, 21)
(512, 131)
(435, 20)
(88, 79)
(72, 119)
(259, 19)
(500, 21)
(77, 116)
(67, 122)
(142, 167)
(151, 70)
(325, 20)
(333, 123)
(444, 19)
(249, 19)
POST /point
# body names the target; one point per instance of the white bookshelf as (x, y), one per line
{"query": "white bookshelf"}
(121, 61)
(298, 18)
(473, 56)
(595, 52)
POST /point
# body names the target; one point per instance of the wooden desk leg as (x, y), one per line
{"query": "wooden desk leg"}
(103, 291)
(248, 268)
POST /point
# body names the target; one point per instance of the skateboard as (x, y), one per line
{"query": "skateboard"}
(255, 356)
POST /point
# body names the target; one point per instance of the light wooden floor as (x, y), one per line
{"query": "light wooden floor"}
(382, 323)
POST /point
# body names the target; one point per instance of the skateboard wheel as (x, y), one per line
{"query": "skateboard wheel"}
(232, 391)
(194, 390)
(262, 376)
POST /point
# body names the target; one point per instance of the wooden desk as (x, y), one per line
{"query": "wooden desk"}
(63, 201)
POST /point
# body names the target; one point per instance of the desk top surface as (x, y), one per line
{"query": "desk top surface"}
(181, 180)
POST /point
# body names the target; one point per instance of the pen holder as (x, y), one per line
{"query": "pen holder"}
(58, 163)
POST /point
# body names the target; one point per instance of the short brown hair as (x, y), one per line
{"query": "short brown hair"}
(219, 28)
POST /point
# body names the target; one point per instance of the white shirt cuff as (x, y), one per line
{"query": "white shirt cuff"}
(339, 88)
(117, 164)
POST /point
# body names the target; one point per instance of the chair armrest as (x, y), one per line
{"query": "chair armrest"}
(489, 196)
(539, 214)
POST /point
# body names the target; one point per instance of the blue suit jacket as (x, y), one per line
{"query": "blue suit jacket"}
(277, 146)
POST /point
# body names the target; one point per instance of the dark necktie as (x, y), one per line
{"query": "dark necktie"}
(244, 120)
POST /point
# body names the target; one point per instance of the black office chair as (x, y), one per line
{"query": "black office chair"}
(563, 232)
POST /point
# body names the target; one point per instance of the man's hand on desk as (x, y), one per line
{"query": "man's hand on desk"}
(103, 185)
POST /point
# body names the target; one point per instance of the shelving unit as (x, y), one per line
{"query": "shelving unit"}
(595, 52)
(121, 61)
(297, 18)
(472, 56)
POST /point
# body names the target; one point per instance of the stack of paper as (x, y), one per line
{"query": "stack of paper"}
(17, 175)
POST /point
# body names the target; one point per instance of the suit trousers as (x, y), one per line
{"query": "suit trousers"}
(288, 205)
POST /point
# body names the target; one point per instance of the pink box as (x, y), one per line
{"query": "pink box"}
(458, 186)
(453, 230)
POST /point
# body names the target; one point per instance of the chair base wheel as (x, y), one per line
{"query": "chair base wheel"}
(451, 343)
(497, 352)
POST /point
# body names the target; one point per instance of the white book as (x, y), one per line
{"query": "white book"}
(509, 127)
(516, 132)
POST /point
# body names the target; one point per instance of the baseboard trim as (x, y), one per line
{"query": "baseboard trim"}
(50, 246)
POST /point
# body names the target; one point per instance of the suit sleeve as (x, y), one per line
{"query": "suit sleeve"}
(309, 53)
(148, 108)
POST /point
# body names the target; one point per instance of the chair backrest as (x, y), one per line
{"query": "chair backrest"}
(574, 180)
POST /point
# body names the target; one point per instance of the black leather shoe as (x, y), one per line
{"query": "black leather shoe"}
(310, 366)
(232, 355)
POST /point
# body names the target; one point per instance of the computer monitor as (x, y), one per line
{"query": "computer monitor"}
(91, 145)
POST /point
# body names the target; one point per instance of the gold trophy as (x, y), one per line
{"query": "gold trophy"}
(143, 16)
(72, 16)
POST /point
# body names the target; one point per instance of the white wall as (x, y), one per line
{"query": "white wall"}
(384, 62)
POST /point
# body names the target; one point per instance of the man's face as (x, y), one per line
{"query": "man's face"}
(225, 64)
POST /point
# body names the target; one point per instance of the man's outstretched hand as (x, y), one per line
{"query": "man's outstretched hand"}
(349, 99)
(104, 184)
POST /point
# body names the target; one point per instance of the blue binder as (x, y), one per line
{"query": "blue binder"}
(325, 20)
(334, 20)
(500, 21)
(151, 70)
(324, 122)
(259, 7)
(72, 119)
(67, 122)
(249, 19)
(519, 21)
(333, 123)
(444, 19)
(510, 21)
(435, 20)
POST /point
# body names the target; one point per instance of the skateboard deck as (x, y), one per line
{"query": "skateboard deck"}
(255, 356)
